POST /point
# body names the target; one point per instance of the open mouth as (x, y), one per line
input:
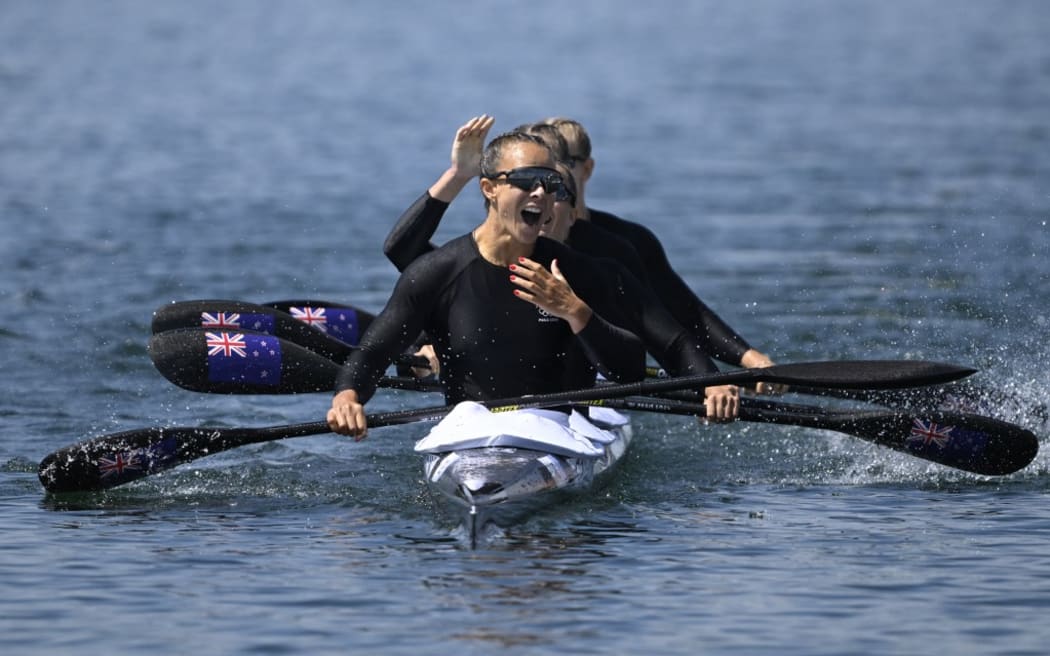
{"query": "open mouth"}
(531, 215)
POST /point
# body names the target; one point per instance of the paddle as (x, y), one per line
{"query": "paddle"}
(252, 363)
(968, 442)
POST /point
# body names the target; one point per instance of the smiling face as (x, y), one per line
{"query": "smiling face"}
(515, 211)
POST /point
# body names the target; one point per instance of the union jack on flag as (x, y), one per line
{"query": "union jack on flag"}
(220, 320)
(119, 463)
(310, 316)
(226, 343)
(928, 431)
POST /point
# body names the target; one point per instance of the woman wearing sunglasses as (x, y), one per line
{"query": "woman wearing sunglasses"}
(468, 297)
(633, 305)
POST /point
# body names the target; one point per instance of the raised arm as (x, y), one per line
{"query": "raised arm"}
(410, 236)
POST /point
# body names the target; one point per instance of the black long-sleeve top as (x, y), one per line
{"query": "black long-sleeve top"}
(492, 344)
(634, 246)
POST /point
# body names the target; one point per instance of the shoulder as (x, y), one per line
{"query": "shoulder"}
(642, 238)
(619, 225)
(549, 249)
(591, 237)
(442, 263)
(582, 270)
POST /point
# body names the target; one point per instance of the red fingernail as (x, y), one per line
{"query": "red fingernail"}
(513, 268)
(513, 277)
(521, 259)
(517, 292)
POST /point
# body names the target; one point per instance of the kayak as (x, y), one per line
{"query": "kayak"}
(492, 469)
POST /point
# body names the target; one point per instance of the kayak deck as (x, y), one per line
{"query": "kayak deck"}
(483, 469)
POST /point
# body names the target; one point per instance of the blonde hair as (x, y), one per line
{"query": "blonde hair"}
(575, 135)
(551, 135)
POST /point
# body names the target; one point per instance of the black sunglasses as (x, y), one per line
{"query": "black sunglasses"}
(565, 195)
(528, 178)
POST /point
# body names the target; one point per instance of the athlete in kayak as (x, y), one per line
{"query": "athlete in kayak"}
(497, 304)
(635, 307)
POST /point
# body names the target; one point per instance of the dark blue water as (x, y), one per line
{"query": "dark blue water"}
(838, 179)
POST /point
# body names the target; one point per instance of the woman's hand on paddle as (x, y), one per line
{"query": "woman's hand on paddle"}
(723, 402)
(753, 359)
(427, 351)
(549, 291)
(347, 415)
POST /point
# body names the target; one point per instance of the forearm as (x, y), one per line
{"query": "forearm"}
(715, 335)
(448, 186)
(618, 354)
(675, 348)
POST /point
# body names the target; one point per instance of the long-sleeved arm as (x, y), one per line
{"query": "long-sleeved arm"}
(617, 353)
(677, 351)
(410, 236)
(393, 330)
(716, 336)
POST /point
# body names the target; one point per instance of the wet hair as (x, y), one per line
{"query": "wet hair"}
(493, 153)
(574, 134)
(551, 136)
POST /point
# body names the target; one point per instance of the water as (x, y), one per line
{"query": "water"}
(861, 179)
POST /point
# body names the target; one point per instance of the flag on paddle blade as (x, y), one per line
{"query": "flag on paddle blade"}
(243, 358)
(129, 464)
(262, 323)
(340, 323)
(934, 441)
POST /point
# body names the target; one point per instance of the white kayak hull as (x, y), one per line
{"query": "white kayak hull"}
(495, 468)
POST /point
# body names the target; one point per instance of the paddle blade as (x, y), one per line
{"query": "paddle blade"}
(330, 334)
(115, 459)
(364, 317)
(973, 443)
(229, 362)
(864, 374)
(969, 442)
(344, 322)
(119, 458)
